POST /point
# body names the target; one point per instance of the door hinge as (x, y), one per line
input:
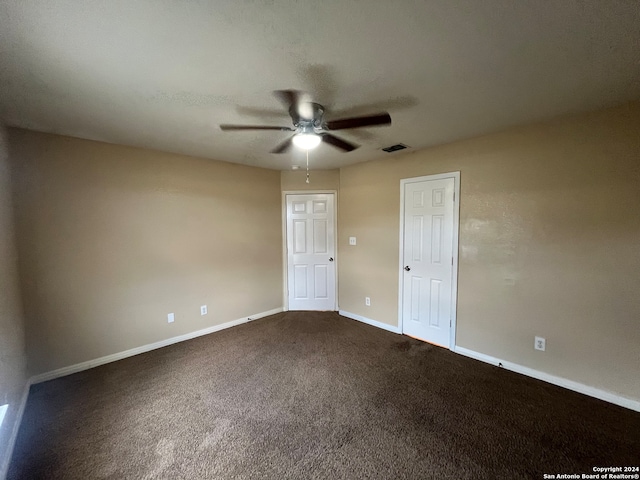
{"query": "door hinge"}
(451, 261)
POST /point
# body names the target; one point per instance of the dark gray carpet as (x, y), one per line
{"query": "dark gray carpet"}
(313, 395)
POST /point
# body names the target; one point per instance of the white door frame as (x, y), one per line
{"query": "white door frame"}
(285, 257)
(456, 228)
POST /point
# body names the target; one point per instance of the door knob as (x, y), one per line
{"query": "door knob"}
(331, 259)
(407, 268)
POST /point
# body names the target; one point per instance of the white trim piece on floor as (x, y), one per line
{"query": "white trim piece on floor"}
(79, 367)
(374, 323)
(4, 466)
(258, 316)
(546, 377)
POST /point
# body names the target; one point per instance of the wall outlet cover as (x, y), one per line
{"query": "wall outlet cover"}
(367, 301)
(203, 310)
(540, 344)
(352, 240)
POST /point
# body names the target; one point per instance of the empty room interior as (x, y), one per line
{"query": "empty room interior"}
(298, 239)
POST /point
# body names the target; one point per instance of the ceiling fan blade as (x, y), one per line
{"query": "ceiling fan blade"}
(355, 122)
(297, 103)
(284, 146)
(288, 97)
(231, 128)
(338, 142)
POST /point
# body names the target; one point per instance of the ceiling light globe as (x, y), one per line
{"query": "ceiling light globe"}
(306, 141)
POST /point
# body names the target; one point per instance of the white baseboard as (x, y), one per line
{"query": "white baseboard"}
(368, 321)
(251, 318)
(4, 465)
(561, 382)
(79, 367)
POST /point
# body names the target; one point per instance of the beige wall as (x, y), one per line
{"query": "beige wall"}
(549, 243)
(293, 180)
(113, 238)
(13, 375)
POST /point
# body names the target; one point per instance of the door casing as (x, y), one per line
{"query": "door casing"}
(456, 228)
(285, 257)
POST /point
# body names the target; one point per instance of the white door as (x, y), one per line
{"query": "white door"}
(428, 258)
(311, 266)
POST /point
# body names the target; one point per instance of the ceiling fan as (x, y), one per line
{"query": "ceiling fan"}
(310, 126)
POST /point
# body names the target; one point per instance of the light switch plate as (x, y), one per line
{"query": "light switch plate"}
(352, 240)
(171, 317)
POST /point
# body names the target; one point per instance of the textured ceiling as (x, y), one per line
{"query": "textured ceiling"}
(164, 74)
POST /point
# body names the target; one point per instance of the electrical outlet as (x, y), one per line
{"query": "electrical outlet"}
(203, 310)
(367, 301)
(540, 344)
(352, 240)
(171, 317)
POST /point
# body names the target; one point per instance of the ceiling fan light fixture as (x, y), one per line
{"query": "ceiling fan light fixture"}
(306, 141)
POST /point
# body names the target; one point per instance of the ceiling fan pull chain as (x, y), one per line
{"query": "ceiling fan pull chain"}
(307, 166)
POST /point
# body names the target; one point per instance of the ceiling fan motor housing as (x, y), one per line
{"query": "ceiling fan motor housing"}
(309, 116)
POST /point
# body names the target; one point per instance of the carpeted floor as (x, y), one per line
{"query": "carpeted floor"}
(303, 395)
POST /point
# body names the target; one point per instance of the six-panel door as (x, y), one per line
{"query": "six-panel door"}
(428, 260)
(310, 252)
